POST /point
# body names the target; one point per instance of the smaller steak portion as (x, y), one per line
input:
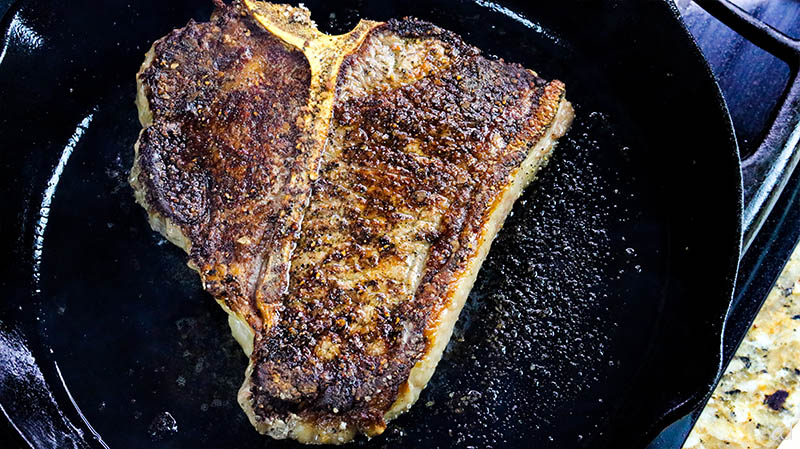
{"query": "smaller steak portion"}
(220, 103)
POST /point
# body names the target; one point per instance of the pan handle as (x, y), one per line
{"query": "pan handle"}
(766, 172)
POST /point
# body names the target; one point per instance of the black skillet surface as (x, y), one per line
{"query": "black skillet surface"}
(595, 321)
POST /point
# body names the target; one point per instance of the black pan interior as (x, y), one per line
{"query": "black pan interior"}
(594, 322)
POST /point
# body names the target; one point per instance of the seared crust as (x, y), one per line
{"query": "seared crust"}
(348, 265)
(408, 171)
(225, 98)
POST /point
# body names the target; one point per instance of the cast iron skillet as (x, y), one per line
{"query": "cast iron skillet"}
(596, 320)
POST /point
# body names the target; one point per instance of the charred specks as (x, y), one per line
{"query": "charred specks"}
(175, 186)
(411, 27)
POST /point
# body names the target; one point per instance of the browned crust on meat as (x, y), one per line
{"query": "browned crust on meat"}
(225, 98)
(323, 364)
(303, 244)
(463, 231)
(412, 29)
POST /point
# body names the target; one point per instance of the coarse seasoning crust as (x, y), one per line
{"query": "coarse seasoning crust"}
(220, 102)
(337, 195)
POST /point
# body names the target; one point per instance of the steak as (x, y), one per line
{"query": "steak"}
(337, 196)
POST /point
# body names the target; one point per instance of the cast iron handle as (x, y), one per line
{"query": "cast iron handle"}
(766, 172)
